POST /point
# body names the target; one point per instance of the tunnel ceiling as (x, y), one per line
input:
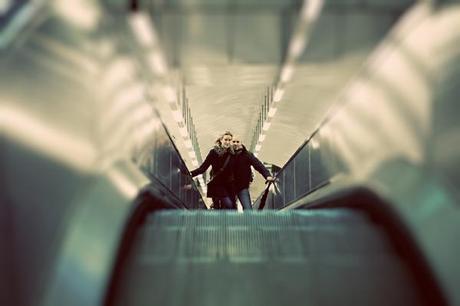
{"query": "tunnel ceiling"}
(226, 55)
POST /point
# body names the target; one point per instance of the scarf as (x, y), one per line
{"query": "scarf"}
(221, 150)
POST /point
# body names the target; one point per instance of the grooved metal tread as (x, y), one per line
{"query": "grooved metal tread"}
(320, 257)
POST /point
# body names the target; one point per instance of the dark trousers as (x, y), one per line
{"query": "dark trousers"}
(223, 203)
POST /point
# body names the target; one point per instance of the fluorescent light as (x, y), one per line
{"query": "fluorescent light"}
(5, 6)
(188, 143)
(123, 183)
(311, 9)
(156, 62)
(143, 29)
(266, 125)
(119, 108)
(272, 111)
(314, 144)
(278, 95)
(177, 115)
(38, 135)
(141, 113)
(286, 73)
(191, 154)
(170, 94)
(325, 131)
(147, 130)
(121, 70)
(132, 94)
(262, 137)
(297, 46)
(82, 14)
(183, 131)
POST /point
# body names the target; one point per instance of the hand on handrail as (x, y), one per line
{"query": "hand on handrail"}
(184, 171)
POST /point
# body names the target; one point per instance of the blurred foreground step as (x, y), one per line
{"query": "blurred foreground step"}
(318, 257)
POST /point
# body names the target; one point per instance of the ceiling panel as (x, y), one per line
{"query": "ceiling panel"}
(257, 38)
(228, 53)
(200, 45)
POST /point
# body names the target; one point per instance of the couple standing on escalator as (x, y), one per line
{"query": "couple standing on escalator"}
(231, 172)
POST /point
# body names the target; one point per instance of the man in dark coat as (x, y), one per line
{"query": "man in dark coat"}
(242, 173)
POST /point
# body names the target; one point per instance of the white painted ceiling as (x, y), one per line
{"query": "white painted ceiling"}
(225, 54)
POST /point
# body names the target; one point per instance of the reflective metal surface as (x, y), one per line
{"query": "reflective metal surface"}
(161, 161)
(79, 135)
(393, 131)
(79, 138)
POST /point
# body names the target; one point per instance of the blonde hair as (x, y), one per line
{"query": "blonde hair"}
(219, 140)
(218, 144)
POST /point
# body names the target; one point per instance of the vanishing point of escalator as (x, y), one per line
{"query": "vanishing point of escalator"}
(302, 257)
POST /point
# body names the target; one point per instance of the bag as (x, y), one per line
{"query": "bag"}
(264, 197)
(216, 174)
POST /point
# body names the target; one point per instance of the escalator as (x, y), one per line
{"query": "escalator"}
(299, 257)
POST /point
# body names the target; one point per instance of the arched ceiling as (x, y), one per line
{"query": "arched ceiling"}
(225, 55)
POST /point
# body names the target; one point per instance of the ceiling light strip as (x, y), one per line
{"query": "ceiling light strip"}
(309, 14)
(145, 33)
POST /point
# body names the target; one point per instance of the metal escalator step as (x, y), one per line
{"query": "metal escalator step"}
(290, 258)
(265, 218)
(256, 236)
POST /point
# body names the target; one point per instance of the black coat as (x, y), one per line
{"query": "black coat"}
(243, 160)
(221, 186)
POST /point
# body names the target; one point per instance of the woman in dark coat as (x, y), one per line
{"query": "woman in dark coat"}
(242, 173)
(220, 158)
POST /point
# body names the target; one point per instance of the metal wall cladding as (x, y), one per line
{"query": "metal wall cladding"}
(166, 166)
(33, 215)
(444, 143)
(402, 106)
(309, 169)
(302, 171)
(63, 128)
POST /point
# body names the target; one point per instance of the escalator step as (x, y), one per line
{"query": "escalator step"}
(264, 258)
